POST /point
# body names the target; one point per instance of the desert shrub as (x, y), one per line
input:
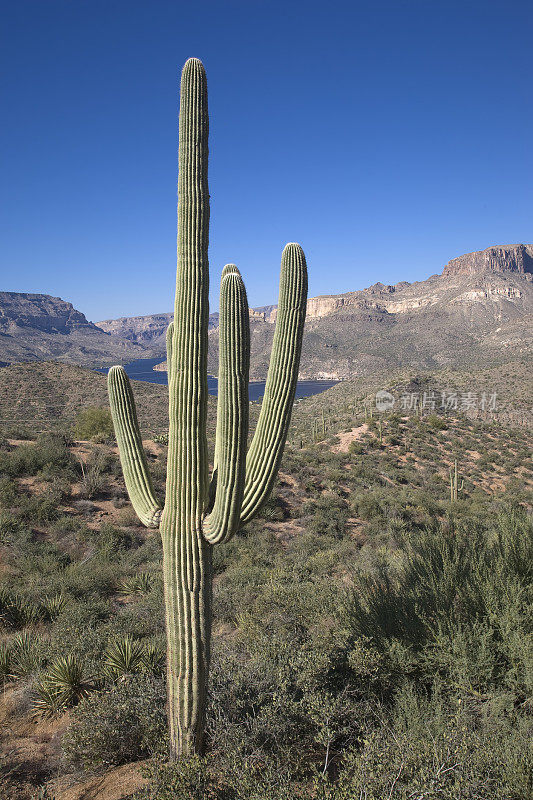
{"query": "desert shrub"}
(94, 422)
(439, 747)
(8, 493)
(12, 528)
(457, 606)
(93, 478)
(43, 507)
(78, 628)
(123, 724)
(328, 515)
(49, 453)
(127, 516)
(188, 779)
(110, 538)
(204, 779)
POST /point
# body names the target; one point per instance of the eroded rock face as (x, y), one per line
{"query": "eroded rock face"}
(38, 327)
(512, 258)
(39, 311)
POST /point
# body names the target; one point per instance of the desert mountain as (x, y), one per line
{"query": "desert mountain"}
(477, 311)
(37, 327)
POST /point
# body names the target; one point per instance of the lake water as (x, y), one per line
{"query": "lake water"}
(142, 370)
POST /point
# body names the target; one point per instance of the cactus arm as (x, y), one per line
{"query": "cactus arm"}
(266, 449)
(232, 409)
(186, 554)
(130, 448)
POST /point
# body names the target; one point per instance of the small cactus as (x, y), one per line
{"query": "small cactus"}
(455, 488)
(199, 513)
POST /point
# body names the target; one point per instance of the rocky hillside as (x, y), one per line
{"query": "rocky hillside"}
(37, 327)
(478, 312)
(149, 330)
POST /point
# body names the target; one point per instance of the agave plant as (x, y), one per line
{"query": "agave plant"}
(123, 656)
(154, 659)
(136, 584)
(24, 655)
(15, 611)
(54, 605)
(63, 685)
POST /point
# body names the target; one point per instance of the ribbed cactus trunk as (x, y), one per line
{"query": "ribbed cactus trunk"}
(186, 555)
(198, 514)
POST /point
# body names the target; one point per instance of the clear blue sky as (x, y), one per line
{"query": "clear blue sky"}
(385, 137)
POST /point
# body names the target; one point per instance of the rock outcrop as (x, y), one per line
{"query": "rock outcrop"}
(40, 312)
(511, 258)
(38, 327)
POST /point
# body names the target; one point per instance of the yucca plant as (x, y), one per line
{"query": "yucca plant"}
(16, 611)
(45, 700)
(63, 685)
(54, 605)
(153, 659)
(5, 663)
(123, 656)
(24, 655)
(136, 584)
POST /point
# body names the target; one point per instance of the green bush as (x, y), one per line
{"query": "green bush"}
(328, 515)
(123, 724)
(49, 453)
(94, 422)
(439, 748)
(458, 606)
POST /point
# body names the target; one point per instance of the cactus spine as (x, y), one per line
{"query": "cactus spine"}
(199, 513)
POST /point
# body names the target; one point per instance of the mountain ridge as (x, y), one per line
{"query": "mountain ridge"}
(478, 310)
(37, 327)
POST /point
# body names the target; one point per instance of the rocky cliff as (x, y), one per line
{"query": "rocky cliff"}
(37, 327)
(40, 312)
(148, 331)
(505, 258)
(479, 311)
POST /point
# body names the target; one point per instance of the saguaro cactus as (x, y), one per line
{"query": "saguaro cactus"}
(455, 488)
(199, 513)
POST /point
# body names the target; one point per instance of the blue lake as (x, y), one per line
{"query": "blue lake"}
(142, 370)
